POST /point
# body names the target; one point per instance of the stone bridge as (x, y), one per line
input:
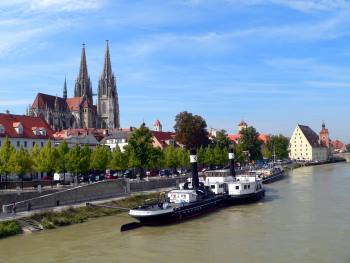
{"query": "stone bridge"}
(346, 156)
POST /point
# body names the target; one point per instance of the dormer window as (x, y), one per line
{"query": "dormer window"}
(43, 131)
(2, 129)
(35, 130)
(18, 128)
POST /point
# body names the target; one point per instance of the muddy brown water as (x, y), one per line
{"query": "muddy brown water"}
(304, 218)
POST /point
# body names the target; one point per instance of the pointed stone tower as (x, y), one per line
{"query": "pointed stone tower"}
(65, 88)
(107, 101)
(83, 85)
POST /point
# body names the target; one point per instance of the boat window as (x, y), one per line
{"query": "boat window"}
(245, 187)
(212, 186)
(249, 186)
(237, 187)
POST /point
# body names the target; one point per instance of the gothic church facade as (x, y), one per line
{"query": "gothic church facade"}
(80, 112)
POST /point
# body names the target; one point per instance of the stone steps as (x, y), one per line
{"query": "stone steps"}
(30, 225)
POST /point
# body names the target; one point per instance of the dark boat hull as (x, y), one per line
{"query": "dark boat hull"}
(182, 213)
(247, 198)
(273, 178)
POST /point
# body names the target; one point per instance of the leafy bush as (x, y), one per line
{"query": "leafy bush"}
(9, 228)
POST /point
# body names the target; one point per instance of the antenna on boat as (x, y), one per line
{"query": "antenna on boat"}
(231, 157)
(193, 160)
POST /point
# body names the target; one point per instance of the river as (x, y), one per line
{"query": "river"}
(303, 218)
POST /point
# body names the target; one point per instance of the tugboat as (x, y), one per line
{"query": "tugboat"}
(193, 199)
(238, 188)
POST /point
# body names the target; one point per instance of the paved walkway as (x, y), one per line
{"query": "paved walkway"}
(6, 216)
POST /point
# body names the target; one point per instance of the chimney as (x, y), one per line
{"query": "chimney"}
(193, 160)
(231, 157)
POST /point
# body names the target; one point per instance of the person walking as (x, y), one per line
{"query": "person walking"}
(14, 208)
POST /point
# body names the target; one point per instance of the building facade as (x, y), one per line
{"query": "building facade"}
(305, 145)
(80, 112)
(25, 131)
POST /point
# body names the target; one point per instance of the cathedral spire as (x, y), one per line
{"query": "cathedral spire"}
(107, 67)
(83, 72)
(83, 85)
(65, 88)
(107, 101)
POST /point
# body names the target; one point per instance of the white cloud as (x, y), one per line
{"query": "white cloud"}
(51, 5)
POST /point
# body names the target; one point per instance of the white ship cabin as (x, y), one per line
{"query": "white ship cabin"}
(182, 196)
(245, 185)
(218, 184)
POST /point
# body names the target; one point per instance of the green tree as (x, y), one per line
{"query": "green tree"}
(191, 130)
(73, 160)
(100, 158)
(278, 145)
(184, 157)
(20, 162)
(157, 159)
(47, 159)
(140, 149)
(171, 157)
(221, 140)
(62, 156)
(6, 152)
(85, 159)
(35, 157)
(250, 143)
(220, 155)
(119, 160)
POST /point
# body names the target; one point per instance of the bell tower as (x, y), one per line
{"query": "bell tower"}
(107, 101)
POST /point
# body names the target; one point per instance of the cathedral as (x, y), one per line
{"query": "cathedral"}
(80, 112)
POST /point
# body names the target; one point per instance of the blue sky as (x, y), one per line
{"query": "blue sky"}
(273, 63)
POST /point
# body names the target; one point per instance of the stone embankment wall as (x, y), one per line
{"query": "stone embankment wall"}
(13, 196)
(90, 192)
(155, 183)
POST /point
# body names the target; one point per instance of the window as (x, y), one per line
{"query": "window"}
(18, 143)
(245, 187)
(25, 144)
(104, 108)
(237, 187)
(42, 144)
(33, 144)
(249, 186)
(212, 186)
(0, 143)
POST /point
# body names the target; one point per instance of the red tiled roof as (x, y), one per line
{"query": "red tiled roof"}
(262, 137)
(337, 144)
(233, 137)
(74, 103)
(28, 123)
(162, 137)
(43, 100)
(99, 134)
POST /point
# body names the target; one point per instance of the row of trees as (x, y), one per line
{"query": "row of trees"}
(191, 131)
(140, 153)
